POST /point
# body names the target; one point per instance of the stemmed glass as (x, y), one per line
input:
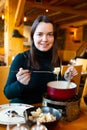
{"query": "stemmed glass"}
(38, 126)
(8, 127)
(8, 123)
(20, 127)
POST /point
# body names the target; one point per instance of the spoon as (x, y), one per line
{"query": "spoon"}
(12, 113)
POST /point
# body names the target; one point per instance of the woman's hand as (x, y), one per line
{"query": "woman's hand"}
(23, 76)
(70, 73)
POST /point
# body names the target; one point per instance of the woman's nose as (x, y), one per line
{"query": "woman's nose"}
(44, 37)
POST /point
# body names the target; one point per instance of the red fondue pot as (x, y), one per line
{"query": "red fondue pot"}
(61, 90)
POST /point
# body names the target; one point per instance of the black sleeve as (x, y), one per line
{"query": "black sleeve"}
(13, 88)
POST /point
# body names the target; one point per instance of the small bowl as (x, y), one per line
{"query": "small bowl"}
(45, 109)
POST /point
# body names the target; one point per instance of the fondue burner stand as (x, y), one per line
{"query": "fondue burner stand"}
(70, 109)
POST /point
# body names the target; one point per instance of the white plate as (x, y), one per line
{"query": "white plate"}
(18, 107)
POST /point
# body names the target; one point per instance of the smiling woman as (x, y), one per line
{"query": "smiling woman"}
(26, 86)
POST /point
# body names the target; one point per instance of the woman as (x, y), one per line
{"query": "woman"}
(23, 84)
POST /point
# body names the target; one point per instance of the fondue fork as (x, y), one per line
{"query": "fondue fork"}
(69, 81)
(35, 71)
(42, 71)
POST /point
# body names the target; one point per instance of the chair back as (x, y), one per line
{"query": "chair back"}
(83, 62)
(75, 79)
(4, 70)
(84, 93)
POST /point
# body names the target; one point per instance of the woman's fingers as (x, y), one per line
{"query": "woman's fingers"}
(23, 76)
(70, 73)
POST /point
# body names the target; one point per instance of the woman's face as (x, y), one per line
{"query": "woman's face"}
(43, 36)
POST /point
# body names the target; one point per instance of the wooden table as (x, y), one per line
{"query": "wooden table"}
(78, 124)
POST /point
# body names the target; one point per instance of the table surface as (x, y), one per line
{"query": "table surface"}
(78, 124)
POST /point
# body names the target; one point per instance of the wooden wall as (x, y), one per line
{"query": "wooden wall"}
(73, 41)
(12, 46)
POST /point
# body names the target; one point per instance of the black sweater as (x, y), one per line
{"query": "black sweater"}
(33, 92)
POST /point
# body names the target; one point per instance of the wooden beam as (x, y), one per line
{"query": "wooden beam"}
(67, 18)
(76, 23)
(56, 13)
(65, 9)
(53, 1)
(56, 1)
(80, 5)
(19, 12)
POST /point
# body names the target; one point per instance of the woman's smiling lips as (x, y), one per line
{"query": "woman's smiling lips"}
(44, 44)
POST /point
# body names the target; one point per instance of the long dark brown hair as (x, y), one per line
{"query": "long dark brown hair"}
(34, 60)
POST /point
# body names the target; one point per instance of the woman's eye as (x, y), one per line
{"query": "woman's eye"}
(39, 34)
(50, 34)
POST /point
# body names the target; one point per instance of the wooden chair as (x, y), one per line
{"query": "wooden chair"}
(84, 93)
(75, 79)
(83, 62)
(4, 70)
(66, 55)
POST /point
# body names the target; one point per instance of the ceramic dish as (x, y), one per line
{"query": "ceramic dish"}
(18, 107)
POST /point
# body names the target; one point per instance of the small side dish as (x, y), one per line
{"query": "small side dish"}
(41, 117)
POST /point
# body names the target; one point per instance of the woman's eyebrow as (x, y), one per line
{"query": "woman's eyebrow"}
(45, 33)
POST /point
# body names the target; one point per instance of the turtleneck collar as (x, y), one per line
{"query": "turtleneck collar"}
(44, 53)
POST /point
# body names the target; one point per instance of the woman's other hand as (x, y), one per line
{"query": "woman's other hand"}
(70, 73)
(23, 76)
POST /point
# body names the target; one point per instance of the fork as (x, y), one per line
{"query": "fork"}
(15, 71)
